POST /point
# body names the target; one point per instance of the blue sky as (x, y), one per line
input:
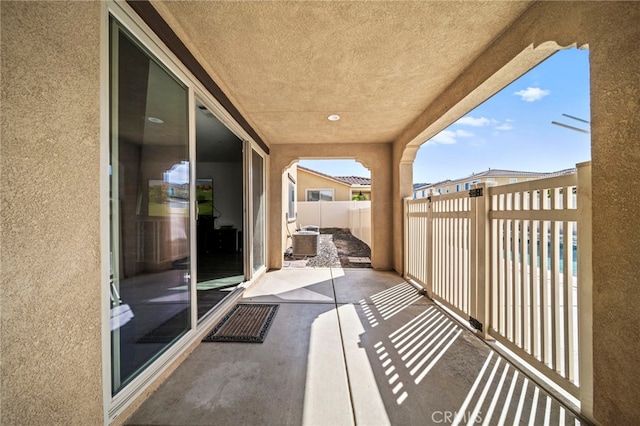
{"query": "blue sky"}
(512, 130)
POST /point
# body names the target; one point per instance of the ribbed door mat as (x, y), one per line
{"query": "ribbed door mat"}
(246, 322)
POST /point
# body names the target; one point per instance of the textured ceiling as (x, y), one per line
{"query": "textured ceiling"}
(379, 65)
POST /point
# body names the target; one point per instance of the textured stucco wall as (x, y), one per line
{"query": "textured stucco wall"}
(306, 180)
(50, 259)
(615, 130)
(376, 157)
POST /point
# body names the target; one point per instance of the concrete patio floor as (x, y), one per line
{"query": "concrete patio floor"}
(349, 346)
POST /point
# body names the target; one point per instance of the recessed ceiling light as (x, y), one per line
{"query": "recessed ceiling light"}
(333, 117)
(155, 120)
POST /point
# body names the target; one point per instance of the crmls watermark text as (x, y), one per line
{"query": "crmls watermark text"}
(450, 416)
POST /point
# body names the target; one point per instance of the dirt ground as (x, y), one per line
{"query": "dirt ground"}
(334, 249)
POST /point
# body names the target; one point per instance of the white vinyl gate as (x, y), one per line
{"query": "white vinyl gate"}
(514, 260)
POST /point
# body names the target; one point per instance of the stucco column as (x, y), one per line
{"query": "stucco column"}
(277, 165)
(383, 236)
(403, 158)
(615, 130)
(51, 347)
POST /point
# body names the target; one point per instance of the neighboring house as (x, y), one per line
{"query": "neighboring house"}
(316, 186)
(360, 187)
(419, 189)
(499, 177)
(345, 202)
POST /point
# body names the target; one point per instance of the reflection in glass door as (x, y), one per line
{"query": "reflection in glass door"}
(220, 206)
(149, 189)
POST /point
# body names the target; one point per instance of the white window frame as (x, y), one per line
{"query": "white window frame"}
(308, 190)
(291, 203)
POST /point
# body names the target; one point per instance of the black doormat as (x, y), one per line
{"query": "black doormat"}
(246, 323)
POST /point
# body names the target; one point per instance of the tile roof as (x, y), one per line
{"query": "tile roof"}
(348, 180)
(355, 180)
(503, 173)
(321, 174)
(431, 185)
(515, 173)
(562, 172)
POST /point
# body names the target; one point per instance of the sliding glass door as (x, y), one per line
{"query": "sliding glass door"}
(187, 207)
(150, 218)
(220, 200)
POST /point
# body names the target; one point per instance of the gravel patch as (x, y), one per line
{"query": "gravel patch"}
(327, 253)
(334, 249)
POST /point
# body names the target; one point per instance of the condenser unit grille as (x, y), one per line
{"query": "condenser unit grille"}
(305, 243)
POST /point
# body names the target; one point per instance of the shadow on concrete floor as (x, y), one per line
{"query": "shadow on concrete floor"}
(350, 346)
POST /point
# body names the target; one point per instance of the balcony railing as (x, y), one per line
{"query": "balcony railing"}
(516, 261)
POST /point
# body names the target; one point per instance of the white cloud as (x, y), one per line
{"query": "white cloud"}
(505, 126)
(445, 137)
(448, 137)
(474, 122)
(531, 94)
(463, 134)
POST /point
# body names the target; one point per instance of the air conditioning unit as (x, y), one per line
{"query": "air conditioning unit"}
(305, 243)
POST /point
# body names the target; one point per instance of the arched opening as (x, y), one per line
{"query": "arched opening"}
(375, 157)
(534, 133)
(327, 208)
(538, 124)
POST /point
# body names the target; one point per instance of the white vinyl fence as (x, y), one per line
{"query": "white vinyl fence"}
(360, 222)
(515, 260)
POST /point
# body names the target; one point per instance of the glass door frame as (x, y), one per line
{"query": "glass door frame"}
(250, 271)
(114, 405)
(214, 107)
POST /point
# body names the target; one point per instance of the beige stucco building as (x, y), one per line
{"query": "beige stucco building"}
(496, 176)
(396, 72)
(314, 186)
